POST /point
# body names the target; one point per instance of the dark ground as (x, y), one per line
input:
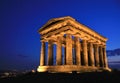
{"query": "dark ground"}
(89, 77)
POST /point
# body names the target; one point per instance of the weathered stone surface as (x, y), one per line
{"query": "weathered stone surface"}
(84, 49)
(69, 68)
(91, 54)
(42, 55)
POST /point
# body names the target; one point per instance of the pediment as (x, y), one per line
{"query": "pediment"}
(54, 22)
(67, 24)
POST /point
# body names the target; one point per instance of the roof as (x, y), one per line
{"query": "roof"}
(57, 23)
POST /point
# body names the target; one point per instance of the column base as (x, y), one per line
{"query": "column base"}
(71, 68)
(108, 69)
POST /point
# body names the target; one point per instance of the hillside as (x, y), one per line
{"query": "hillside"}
(89, 77)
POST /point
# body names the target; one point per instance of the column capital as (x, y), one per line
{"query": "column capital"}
(85, 39)
(91, 41)
(104, 46)
(43, 40)
(77, 38)
(50, 41)
(59, 38)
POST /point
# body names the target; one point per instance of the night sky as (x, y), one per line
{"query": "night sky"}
(21, 19)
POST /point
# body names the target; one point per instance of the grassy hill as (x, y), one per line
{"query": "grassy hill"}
(89, 77)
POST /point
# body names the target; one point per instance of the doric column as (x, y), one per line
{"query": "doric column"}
(59, 52)
(91, 54)
(101, 57)
(77, 51)
(50, 52)
(85, 53)
(105, 57)
(68, 50)
(96, 55)
(42, 55)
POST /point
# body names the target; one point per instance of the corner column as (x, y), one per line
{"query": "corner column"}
(105, 57)
(42, 55)
(101, 57)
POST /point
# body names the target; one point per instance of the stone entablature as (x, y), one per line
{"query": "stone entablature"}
(77, 46)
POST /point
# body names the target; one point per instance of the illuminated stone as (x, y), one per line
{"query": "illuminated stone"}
(84, 49)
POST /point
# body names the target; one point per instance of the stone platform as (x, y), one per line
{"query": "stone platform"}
(71, 68)
(71, 46)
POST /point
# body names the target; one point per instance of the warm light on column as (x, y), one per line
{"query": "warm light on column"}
(101, 56)
(77, 51)
(42, 55)
(59, 51)
(50, 52)
(105, 57)
(96, 55)
(69, 60)
(85, 53)
(91, 54)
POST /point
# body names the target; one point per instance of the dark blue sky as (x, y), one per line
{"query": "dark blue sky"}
(21, 19)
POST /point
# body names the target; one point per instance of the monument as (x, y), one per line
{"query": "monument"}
(67, 46)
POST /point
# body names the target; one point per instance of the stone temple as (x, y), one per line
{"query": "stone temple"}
(68, 46)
